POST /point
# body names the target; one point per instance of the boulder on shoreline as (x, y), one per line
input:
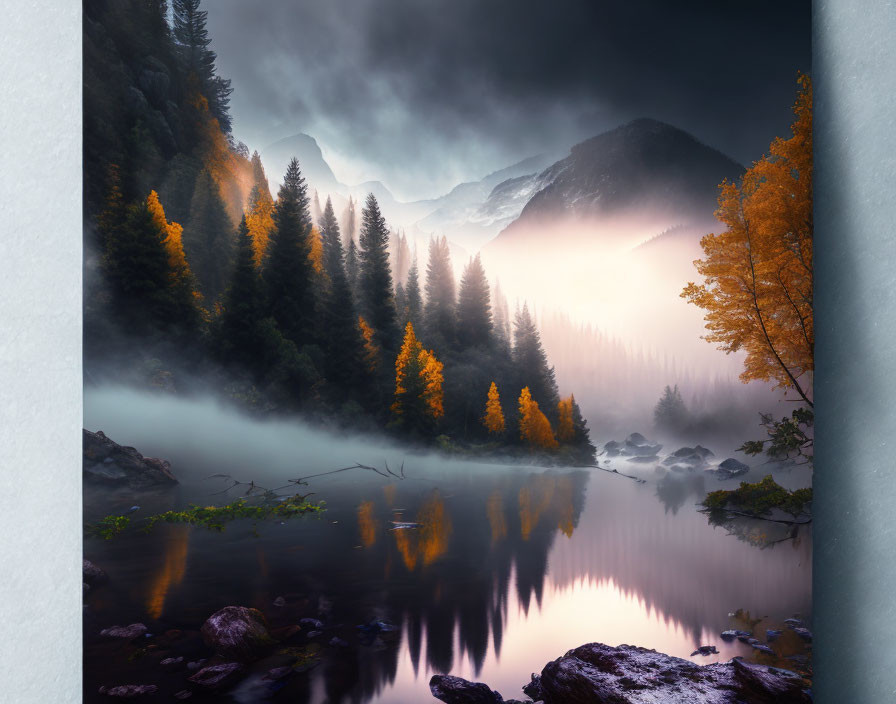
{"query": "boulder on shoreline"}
(237, 632)
(106, 462)
(630, 675)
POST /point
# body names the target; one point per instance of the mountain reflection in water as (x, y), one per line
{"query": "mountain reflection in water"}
(488, 572)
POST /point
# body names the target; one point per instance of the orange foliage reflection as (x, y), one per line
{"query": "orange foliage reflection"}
(173, 569)
(428, 542)
(495, 510)
(367, 524)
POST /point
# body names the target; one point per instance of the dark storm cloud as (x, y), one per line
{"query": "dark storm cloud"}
(424, 93)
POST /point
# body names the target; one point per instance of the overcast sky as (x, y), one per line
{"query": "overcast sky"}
(423, 94)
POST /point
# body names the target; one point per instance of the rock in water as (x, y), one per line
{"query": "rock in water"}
(237, 632)
(456, 690)
(135, 630)
(731, 468)
(93, 575)
(129, 691)
(217, 676)
(107, 462)
(629, 675)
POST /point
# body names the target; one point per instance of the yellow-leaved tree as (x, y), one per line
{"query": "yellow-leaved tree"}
(494, 415)
(535, 428)
(260, 221)
(316, 253)
(174, 246)
(566, 429)
(180, 275)
(371, 348)
(758, 282)
(418, 383)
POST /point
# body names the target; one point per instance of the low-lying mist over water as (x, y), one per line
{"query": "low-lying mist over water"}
(484, 570)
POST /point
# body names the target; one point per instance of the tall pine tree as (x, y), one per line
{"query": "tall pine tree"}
(208, 238)
(342, 336)
(375, 277)
(241, 332)
(289, 271)
(439, 315)
(532, 363)
(191, 34)
(474, 311)
(413, 299)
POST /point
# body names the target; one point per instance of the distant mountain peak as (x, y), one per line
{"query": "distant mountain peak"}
(641, 166)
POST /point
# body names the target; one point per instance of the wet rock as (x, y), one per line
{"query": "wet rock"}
(611, 449)
(705, 650)
(183, 694)
(762, 648)
(218, 676)
(731, 468)
(600, 673)
(279, 601)
(794, 622)
(337, 642)
(93, 575)
(772, 635)
(107, 462)
(636, 439)
(196, 665)
(803, 633)
(311, 623)
(314, 634)
(135, 630)
(237, 632)
(456, 690)
(731, 635)
(171, 663)
(278, 673)
(129, 691)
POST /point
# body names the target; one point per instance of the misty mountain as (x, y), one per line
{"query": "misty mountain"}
(315, 169)
(642, 166)
(474, 212)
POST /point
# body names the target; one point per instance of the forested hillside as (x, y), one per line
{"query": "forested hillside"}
(197, 279)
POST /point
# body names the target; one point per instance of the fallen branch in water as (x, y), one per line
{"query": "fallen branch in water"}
(757, 517)
(388, 474)
(616, 471)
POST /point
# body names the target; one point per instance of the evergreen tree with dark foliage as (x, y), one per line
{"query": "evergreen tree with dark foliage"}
(208, 238)
(191, 34)
(413, 300)
(289, 270)
(474, 311)
(145, 294)
(352, 269)
(242, 333)
(342, 338)
(532, 363)
(440, 314)
(670, 413)
(375, 276)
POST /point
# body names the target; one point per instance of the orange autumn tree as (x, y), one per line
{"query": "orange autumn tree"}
(418, 384)
(566, 429)
(260, 221)
(758, 285)
(179, 269)
(535, 428)
(494, 415)
(316, 253)
(371, 348)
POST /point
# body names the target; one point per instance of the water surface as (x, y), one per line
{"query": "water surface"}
(506, 568)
